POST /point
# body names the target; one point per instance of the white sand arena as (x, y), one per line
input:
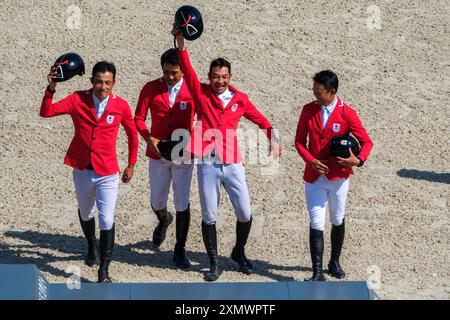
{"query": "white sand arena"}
(393, 62)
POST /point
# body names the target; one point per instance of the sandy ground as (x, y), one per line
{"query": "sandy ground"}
(392, 58)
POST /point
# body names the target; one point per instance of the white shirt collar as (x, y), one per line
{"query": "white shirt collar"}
(99, 102)
(331, 106)
(226, 94)
(176, 87)
(100, 105)
(226, 97)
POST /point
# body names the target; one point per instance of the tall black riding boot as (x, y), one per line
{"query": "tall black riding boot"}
(165, 219)
(316, 248)
(210, 239)
(88, 228)
(238, 254)
(183, 219)
(106, 249)
(337, 240)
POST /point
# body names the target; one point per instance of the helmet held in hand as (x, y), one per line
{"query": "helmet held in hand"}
(67, 66)
(189, 21)
(339, 146)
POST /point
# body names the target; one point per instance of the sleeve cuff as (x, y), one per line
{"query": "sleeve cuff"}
(50, 90)
(361, 162)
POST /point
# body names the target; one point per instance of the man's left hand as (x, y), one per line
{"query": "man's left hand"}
(350, 161)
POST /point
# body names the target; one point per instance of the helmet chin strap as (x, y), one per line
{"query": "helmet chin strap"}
(175, 42)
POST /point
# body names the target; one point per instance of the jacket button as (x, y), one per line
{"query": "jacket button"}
(223, 112)
(219, 124)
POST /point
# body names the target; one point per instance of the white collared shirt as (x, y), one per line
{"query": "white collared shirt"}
(100, 105)
(226, 97)
(327, 110)
(174, 91)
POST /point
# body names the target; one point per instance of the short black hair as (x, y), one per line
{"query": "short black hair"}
(328, 79)
(220, 62)
(171, 57)
(104, 66)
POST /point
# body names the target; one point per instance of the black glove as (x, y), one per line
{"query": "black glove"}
(165, 148)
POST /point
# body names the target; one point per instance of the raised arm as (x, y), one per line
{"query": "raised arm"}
(189, 75)
(50, 109)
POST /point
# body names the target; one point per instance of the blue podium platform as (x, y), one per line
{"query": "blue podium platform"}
(25, 282)
(22, 282)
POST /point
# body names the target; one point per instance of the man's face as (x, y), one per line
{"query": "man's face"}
(102, 84)
(219, 78)
(324, 96)
(172, 73)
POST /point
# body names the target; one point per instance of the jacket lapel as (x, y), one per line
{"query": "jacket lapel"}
(89, 102)
(163, 92)
(233, 100)
(183, 92)
(318, 116)
(215, 101)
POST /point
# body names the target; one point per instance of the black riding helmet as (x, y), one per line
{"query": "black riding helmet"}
(67, 66)
(339, 146)
(189, 21)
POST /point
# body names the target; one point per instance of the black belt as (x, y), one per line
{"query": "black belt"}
(89, 167)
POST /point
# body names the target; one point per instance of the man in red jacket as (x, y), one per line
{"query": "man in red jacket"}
(96, 114)
(219, 109)
(172, 112)
(326, 177)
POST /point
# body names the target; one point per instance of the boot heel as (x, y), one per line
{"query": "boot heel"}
(214, 272)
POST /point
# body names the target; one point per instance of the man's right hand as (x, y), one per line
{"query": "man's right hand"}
(179, 37)
(319, 167)
(153, 144)
(52, 75)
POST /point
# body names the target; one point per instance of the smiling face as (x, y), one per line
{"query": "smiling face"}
(324, 96)
(172, 73)
(102, 84)
(219, 78)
